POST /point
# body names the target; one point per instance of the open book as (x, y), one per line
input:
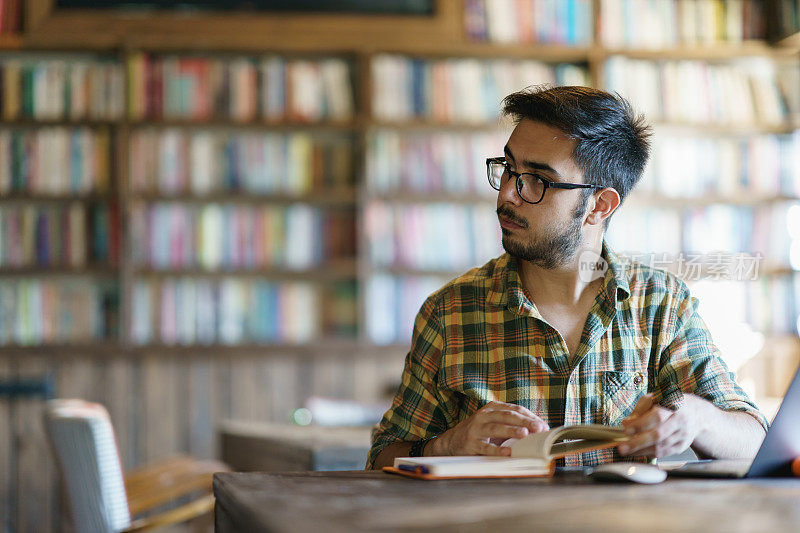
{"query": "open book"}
(532, 456)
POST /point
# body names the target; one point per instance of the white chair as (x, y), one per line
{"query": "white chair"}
(101, 498)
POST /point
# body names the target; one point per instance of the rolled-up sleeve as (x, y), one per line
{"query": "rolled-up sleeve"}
(417, 411)
(691, 363)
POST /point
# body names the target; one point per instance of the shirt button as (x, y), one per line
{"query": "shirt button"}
(637, 379)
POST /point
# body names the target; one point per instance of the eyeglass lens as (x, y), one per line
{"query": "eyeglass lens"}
(531, 189)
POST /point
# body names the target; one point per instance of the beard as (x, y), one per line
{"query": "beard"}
(554, 248)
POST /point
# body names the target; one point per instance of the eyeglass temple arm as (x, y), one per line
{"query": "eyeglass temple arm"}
(557, 185)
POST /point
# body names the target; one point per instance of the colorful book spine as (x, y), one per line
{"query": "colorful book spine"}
(772, 305)
(54, 161)
(398, 162)
(723, 166)
(229, 311)
(70, 236)
(239, 237)
(392, 303)
(10, 17)
(457, 90)
(674, 23)
(435, 236)
(700, 92)
(770, 231)
(60, 88)
(244, 89)
(178, 161)
(36, 312)
(563, 22)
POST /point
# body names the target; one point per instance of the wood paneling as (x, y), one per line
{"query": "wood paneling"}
(161, 405)
(6, 445)
(35, 497)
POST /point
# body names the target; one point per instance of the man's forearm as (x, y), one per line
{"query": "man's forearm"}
(387, 455)
(725, 434)
(437, 446)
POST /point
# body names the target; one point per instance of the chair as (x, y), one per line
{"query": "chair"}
(101, 498)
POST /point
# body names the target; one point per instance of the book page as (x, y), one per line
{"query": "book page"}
(583, 437)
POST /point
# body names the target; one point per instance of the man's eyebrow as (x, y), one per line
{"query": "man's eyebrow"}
(534, 165)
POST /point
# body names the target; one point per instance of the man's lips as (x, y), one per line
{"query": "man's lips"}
(507, 223)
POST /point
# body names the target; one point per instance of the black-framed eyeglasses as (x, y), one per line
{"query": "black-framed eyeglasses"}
(530, 187)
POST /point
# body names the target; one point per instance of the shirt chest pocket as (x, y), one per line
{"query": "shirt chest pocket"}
(621, 389)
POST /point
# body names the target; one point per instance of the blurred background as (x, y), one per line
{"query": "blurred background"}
(216, 219)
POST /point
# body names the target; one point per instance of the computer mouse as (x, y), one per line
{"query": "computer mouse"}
(636, 472)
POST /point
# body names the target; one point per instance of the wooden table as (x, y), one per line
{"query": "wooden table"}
(328, 502)
(260, 447)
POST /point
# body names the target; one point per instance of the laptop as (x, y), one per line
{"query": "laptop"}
(780, 447)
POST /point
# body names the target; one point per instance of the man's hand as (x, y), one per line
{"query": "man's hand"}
(657, 432)
(487, 428)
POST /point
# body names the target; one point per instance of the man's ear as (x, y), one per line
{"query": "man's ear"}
(605, 203)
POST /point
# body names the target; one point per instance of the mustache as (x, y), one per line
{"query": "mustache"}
(512, 216)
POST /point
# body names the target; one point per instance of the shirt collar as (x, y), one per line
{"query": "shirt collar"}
(506, 288)
(616, 277)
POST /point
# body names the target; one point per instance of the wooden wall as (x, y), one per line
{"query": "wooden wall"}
(163, 404)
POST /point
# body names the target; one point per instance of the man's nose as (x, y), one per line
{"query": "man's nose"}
(508, 192)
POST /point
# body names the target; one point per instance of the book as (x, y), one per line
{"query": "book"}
(566, 22)
(466, 90)
(700, 92)
(532, 456)
(244, 89)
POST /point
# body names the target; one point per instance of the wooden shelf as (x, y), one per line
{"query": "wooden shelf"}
(341, 270)
(431, 125)
(405, 271)
(345, 197)
(41, 272)
(698, 127)
(35, 198)
(324, 348)
(12, 41)
(548, 53)
(101, 348)
(724, 129)
(643, 199)
(329, 347)
(28, 122)
(332, 347)
(432, 197)
(229, 123)
(714, 51)
(707, 269)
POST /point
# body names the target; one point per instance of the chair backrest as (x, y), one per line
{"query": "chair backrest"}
(83, 440)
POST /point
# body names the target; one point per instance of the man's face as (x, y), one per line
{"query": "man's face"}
(548, 233)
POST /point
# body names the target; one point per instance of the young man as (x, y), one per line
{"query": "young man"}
(529, 341)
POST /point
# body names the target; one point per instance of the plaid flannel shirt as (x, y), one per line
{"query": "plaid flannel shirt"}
(480, 339)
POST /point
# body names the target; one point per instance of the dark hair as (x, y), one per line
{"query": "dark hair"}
(612, 142)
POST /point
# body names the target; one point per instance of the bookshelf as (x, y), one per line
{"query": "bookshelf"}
(168, 387)
(188, 123)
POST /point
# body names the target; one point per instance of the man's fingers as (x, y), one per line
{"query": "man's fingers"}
(655, 417)
(638, 444)
(486, 448)
(495, 430)
(644, 443)
(669, 446)
(642, 406)
(514, 418)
